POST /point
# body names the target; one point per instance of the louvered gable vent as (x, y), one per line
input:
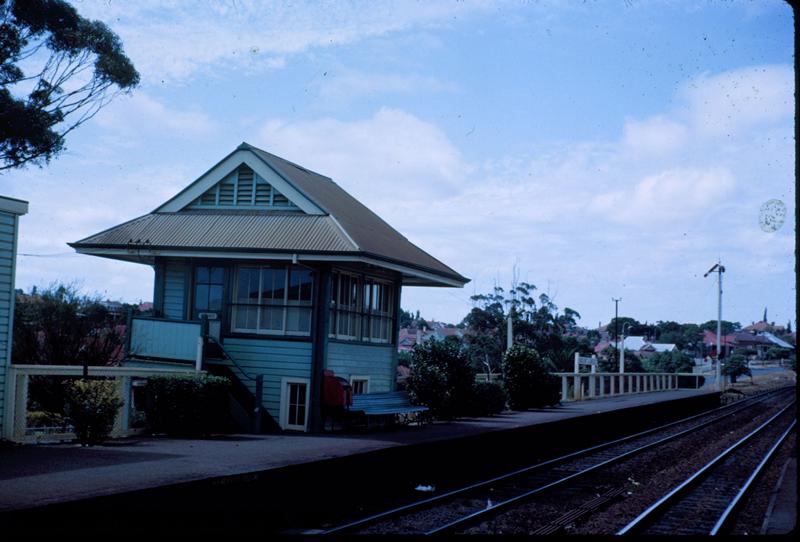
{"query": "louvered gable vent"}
(243, 189)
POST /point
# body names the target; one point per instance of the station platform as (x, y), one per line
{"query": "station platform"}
(34, 476)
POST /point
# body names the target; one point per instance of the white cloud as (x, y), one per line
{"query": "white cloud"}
(722, 104)
(142, 114)
(656, 135)
(175, 40)
(350, 85)
(390, 149)
(666, 196)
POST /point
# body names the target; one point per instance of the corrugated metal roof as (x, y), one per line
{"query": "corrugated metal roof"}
(227, 230)
(370, 232)
(364, 232)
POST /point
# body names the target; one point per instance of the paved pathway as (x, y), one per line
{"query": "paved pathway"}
(33, 475)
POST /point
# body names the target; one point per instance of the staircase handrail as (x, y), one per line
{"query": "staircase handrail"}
(230, 358)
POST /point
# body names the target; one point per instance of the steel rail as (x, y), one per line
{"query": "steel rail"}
(469, 518)
(726, 516)
(649, 515)
(400, 510)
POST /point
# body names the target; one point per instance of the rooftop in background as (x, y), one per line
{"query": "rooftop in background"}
(765, 326)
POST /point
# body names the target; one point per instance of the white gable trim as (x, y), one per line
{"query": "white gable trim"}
(344, 232)
(228, 166)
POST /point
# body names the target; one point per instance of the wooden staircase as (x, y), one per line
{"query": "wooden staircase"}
(247, 412)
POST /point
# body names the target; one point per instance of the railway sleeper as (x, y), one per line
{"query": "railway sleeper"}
(558, 524)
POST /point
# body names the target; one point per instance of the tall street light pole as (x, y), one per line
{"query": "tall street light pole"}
(616, 321)
(720, 269)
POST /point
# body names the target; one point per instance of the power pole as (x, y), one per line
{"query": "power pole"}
(720, 269)
(510, 324)
(509, 333)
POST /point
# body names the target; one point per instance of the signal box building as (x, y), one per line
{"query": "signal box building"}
(284, 273)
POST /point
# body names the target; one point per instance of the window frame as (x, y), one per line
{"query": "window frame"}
(365, 315)
(195, 311)
(360, 378)
(285, 305)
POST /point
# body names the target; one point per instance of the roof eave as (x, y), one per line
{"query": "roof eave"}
(422, 276)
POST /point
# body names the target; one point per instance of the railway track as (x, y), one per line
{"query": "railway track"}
(712, 494)
(460, 508)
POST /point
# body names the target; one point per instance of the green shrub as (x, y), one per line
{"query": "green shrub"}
(488, 398)
(92, 406)
(668, 362)
(735, 366)
(42, 418)
(528, 380)
(608, 362)
(187, 405)
(441, 378)
(773, 353)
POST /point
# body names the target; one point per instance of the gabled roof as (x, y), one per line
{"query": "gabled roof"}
(745, 338)
(710, 339)
(329, 222)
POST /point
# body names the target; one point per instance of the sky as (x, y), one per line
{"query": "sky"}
(597, 150)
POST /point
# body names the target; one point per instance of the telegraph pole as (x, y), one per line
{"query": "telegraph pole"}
(509, 333)
(720, 269)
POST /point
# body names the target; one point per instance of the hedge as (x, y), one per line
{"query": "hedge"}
(187, 405)
(527, 379)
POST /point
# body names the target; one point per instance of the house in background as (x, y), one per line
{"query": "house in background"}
(710, 344)
(777, 341)
(634, 343)
(650, 349)
(408, 337)
(281, 274)
(638, 345)
(10, 211)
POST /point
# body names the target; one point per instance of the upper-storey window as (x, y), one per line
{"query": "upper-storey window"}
(243, 189)
(362, 308)
(209, 284)
(272, 299)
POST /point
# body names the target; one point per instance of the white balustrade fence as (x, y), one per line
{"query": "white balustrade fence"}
(581, 386)
(16, 424)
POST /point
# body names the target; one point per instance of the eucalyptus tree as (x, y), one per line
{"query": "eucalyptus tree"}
(57, 70)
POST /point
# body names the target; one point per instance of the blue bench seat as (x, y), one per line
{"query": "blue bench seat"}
(385, 404)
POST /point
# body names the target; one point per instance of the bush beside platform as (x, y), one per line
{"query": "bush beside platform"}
(187, 405)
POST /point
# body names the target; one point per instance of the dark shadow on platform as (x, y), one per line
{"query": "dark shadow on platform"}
(32, 460)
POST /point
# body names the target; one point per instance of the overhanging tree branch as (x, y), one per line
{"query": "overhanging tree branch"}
(34, 122)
